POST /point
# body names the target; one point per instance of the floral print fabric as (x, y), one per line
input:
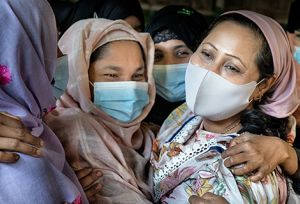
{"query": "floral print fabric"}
(189, 163)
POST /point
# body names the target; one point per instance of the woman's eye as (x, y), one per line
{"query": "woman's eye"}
(232, 68)
(158, 57)
(111, 75)
(183, 53)
(206, 55)
(138, 77)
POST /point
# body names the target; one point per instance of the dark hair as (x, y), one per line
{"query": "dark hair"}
(188, 24)
(255, 121)
(98, 53)
(67, 13)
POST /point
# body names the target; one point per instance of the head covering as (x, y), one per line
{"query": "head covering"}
(86, 36)
(27, 64)
(294, 16)
(68, 13)
(120, 150)
(188, 24)
(284, 99)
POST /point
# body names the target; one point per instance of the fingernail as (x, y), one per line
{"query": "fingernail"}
(41, 143)
(98, 187)
(98, 173)
(17, 157)
(38, 152)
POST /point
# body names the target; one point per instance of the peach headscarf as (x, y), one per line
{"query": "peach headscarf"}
(284, 98)
(92, 138)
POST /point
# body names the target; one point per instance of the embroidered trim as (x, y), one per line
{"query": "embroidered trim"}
(187, 128)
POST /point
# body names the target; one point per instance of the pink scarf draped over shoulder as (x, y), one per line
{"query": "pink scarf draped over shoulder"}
(90, 137)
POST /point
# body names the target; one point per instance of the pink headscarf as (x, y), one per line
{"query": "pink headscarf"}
(284, 99)
(92, 138)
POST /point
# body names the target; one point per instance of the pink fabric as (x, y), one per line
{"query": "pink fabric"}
(92, 138)
(284, 100)
(291, 37)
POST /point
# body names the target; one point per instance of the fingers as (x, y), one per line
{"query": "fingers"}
(21, 134)
(197, 200)
(244, 137)
(261, 173)
(83, 172)
(11, 144)
(87, 177)
(234, 150)
(8, 157)
(236, 159)
(10, 120)
(88, 180)
(245, 169)
(92, 191)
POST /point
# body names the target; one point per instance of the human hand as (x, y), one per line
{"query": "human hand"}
(14, 137)
(259, 155)
(208, 198)
(88, 179)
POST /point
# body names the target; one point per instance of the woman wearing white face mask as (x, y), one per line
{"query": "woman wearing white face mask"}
(109, 92)
(240, 79)
(176, 31)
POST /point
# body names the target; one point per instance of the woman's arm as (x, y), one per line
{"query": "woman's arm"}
(14, 137)
(260, 156)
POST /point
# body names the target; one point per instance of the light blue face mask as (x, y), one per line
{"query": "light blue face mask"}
(169, 81)
(297, 54)
(61, 76)
(123, 101)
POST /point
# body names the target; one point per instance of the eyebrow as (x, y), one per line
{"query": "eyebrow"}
(233, 56)
(118, 69)
(114, 68)
(180, 46)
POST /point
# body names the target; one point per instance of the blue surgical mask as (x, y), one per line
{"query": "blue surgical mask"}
(297, 54)
(61, 76)
(123, 101)
(169, 81)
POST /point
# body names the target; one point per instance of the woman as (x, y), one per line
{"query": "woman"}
(240, 79)
(110, 91)
(67, 13)
(176, 31)
(27, 64)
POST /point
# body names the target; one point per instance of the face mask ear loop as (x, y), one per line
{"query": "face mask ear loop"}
(91, 84)
(259, 91)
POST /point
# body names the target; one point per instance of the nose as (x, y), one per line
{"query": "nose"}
(214, 68)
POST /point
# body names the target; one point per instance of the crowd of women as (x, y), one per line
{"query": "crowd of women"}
(98, 108)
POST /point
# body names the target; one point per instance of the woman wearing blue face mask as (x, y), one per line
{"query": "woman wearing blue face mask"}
(176, 31)
(99, 118)
(67, 13)
(241, 79)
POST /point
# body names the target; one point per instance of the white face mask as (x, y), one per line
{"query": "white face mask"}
(213, 97)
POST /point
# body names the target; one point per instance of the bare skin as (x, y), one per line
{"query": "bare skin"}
(171, 52)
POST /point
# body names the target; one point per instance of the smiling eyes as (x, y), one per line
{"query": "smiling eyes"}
(179, 53)
(139, 76)
(209, 57)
